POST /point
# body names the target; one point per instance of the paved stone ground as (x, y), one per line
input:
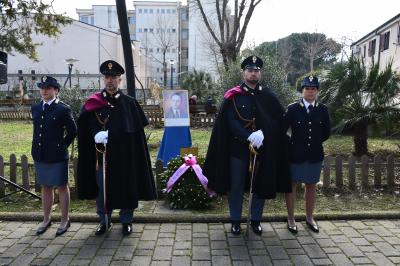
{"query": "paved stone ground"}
(373, 242)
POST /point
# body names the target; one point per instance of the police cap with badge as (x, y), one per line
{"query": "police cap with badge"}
(252, 62)
(48, 81)
(111, 68)
(309, 82)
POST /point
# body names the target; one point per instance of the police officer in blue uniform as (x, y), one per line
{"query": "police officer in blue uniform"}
(310, 126)
(250, 115)
(54, 129)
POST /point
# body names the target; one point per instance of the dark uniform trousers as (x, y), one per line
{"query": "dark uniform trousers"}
(125, 215)
(53, 131)
(240, 158)
(309, 130)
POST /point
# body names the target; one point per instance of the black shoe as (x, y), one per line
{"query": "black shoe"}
(313, 227)
(61, 230)
(101, 229)
(256, 226)
(126, 229)
(235, 229)
(292, 229)
(43, 228)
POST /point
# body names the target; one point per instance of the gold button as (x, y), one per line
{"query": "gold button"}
(42, 117)
(40, 144)
(309, 123)
(309, 137)
(308, 144)
(40, 134)
(310, 130)
(40, 125)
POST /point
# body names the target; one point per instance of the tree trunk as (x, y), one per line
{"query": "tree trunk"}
(360, 139)
(165, 69)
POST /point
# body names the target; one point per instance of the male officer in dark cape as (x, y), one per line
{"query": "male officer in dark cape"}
(249, 115)
(114, 122)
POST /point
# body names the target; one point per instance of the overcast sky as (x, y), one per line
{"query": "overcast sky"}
(274, 19)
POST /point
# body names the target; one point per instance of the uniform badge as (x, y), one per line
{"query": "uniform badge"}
(311, 78)
(109, 66)
(104, 94)
(254, 59)
(44, 78)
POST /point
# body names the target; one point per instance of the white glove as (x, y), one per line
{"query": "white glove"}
(101, 137)
(256, 139)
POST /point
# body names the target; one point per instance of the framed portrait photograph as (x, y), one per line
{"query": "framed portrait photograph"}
(176, 108)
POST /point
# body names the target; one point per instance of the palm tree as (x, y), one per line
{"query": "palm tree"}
(198, 83)
(359, 97)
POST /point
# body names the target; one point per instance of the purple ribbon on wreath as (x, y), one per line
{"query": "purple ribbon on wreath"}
(190, 161)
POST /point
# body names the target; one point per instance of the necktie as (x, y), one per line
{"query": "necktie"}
(310, 108)
(46, 107)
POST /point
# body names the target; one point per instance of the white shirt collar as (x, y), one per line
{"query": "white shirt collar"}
(306, 104)
(49, 102)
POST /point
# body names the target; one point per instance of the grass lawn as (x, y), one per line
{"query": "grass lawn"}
(15, 137)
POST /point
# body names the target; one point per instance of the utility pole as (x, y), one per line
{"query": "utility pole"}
(127, 47)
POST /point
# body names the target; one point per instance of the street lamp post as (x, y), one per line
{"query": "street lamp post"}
(70, 62)
(172, 67)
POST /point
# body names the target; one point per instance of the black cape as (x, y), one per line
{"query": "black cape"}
(272, 173)
(129, 173)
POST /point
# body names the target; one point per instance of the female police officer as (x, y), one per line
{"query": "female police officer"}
(310, 127)
(53, 131)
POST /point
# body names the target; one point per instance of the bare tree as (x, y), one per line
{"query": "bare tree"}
(164, 39)
(231, 29)
(316, 46)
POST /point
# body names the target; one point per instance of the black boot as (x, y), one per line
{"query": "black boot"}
(256, 226)
(101, 229)
(126, 229)
(235, 229)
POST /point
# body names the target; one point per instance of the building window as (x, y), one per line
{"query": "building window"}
(173, 50)
(132, 20)
(151, 30)
(371, 48)
(162, 11)
(184, 68)
(365, 50)
(185, 34)
(92, 20)
(140, 29)
(150, 50)
(158, 70)
(184, 15)
(145, 10)
(185, 53)
(140, 11)
(151, 11)
(84, 19)
(168, 11)
(158, 10)
(398, 35)
(173, 30)
(384, 41)
(158, 50)
(145, 29)
(173, 11)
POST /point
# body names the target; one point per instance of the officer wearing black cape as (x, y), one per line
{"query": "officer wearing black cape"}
(249, 115)
(112, 125)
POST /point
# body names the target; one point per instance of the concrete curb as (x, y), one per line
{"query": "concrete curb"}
(200, 218)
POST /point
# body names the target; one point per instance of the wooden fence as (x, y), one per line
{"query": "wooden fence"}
(365, 172)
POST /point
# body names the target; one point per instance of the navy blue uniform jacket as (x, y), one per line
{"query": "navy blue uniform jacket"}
(53, 131)
(309, 131)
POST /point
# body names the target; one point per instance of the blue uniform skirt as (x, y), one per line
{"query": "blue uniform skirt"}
(51, 174)
(308, 173)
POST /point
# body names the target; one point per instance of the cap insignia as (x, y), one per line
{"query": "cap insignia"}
(254, 59)
(109, 66)
(311, 78)
(44, 78)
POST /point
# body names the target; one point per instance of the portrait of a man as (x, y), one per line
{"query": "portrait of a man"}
(176, 108)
